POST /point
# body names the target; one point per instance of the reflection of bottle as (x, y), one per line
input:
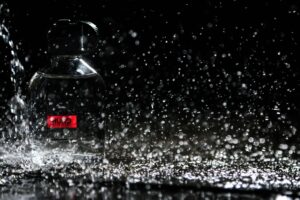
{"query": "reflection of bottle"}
(66, 98)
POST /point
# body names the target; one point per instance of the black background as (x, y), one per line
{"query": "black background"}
(183, 56)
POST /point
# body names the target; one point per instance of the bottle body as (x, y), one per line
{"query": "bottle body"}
(67, 105)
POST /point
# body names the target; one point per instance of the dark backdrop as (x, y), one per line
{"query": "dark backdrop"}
(181, 57)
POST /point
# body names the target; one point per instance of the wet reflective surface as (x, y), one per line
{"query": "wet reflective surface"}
(146, 166)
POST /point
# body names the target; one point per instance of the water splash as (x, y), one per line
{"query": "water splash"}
(16, 114)
(17, 69)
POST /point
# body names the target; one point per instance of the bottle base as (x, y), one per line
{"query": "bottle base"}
(91, 150)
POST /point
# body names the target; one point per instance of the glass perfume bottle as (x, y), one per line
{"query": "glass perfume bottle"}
(66, 102)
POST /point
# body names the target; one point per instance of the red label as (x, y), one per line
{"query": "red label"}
(62, 121)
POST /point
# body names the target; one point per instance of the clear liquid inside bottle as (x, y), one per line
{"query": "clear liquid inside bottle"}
(67, 105)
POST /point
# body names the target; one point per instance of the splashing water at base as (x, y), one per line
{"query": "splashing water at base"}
(147, 161)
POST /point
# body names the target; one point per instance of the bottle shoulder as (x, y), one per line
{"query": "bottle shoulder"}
(41, 78)
(42, 74)
(69, 66)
